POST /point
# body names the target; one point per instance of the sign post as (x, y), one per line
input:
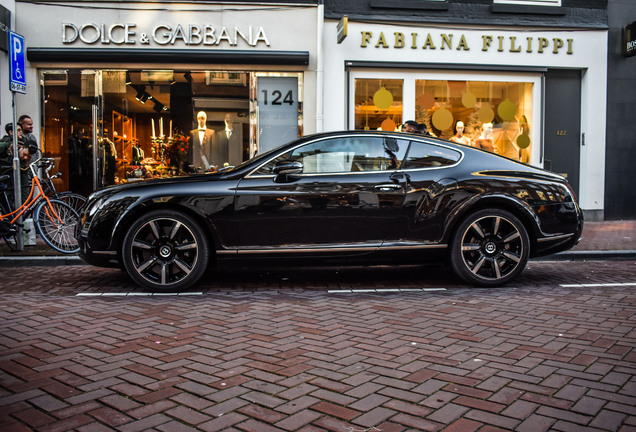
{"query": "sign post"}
(17, 83)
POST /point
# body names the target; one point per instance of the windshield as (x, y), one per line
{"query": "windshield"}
(255, 159)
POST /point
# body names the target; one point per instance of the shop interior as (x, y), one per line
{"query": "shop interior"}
(142, 120)
(491, 115)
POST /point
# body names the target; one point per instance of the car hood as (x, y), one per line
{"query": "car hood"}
(144, 184)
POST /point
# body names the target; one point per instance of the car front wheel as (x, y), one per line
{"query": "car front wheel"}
(165, 250)
(490, 248)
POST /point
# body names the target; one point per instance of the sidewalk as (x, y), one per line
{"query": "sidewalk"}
(601, 240)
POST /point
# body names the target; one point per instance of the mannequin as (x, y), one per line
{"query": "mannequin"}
(203, 145)
(459, 137)
(484, 141)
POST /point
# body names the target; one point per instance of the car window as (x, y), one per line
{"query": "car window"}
(344, 154)
(423, 155)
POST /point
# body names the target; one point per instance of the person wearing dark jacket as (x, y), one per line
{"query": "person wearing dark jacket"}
(25, 151)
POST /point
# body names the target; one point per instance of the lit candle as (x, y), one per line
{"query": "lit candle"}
(170, 128)
(153, 128)
(160, 127)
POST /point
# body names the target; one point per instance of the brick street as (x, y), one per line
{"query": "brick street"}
(325, 349)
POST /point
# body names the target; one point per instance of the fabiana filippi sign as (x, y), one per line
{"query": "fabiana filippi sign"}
(162, 34)
(462, 42)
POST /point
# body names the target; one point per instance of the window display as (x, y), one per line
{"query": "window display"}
(493, 116)
(378, 104)
(154, 123)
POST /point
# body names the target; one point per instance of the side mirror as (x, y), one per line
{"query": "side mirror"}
(288, 167)
(285, 168)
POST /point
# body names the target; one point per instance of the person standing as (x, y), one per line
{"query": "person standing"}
(26, 149)
(410, 126)
(26, 123)
(202, 143)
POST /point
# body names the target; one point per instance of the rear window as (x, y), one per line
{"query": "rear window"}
(423, 155)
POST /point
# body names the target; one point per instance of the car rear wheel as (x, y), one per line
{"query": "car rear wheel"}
(165, 250)
(490, 248)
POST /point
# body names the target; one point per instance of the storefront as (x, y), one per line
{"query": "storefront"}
(119, 88)
(537, 96)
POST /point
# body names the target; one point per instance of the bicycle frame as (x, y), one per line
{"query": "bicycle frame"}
(31, 201)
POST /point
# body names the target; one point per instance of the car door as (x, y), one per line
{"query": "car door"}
(429, 168)
(346, 199)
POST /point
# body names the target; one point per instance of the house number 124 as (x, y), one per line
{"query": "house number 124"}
(278, 98)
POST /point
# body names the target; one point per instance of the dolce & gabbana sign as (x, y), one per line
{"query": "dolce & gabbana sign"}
(162, 34)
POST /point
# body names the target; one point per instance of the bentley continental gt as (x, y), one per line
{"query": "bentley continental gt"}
(352, 196)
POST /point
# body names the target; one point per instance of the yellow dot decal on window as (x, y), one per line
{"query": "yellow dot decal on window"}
(469, 99)
(523, 141)
(486, 114)
(383, 98)
(507, 110)
(442, 119)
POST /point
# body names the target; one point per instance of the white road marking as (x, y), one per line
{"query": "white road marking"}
(383, 290)
(130, 294)
(593, 285)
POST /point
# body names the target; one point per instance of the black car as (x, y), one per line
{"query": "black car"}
(351, 195)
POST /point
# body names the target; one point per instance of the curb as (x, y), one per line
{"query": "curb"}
(51, 261)
(28, 260)
(589, 255)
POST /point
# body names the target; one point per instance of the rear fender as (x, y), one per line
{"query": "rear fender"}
(518, 207)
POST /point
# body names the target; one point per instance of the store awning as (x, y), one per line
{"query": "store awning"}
(172, 56)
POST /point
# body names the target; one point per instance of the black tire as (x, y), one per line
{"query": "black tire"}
(165, 250)
(76, 201)
(490, 248)
(57, 229)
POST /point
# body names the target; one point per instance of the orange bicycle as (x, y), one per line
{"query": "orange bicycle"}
(54, 219)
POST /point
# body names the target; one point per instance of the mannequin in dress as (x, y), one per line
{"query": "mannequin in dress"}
(459, 136)
(485, 139)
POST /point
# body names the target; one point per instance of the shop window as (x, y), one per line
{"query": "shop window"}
(378, 104)
(145, 122)
(494, 116)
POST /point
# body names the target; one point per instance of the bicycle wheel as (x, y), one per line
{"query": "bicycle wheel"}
(57, 233)
(7, 231)
(74, 200)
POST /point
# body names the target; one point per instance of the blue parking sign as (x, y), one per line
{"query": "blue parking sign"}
(16, 61)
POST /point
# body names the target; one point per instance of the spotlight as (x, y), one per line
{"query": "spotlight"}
(143, 98)
(128, 80)
(141, 90)
(158, 107)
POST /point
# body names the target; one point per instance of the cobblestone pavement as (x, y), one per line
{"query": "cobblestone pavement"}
(323, 349)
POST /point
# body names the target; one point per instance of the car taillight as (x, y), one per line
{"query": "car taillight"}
(567, 185)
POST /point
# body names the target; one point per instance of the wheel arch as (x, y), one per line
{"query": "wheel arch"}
(133, 213)
(519, 209)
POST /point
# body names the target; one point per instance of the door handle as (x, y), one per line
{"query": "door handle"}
(388, 187)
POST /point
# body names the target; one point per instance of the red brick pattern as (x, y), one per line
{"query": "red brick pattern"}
(273, 350)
